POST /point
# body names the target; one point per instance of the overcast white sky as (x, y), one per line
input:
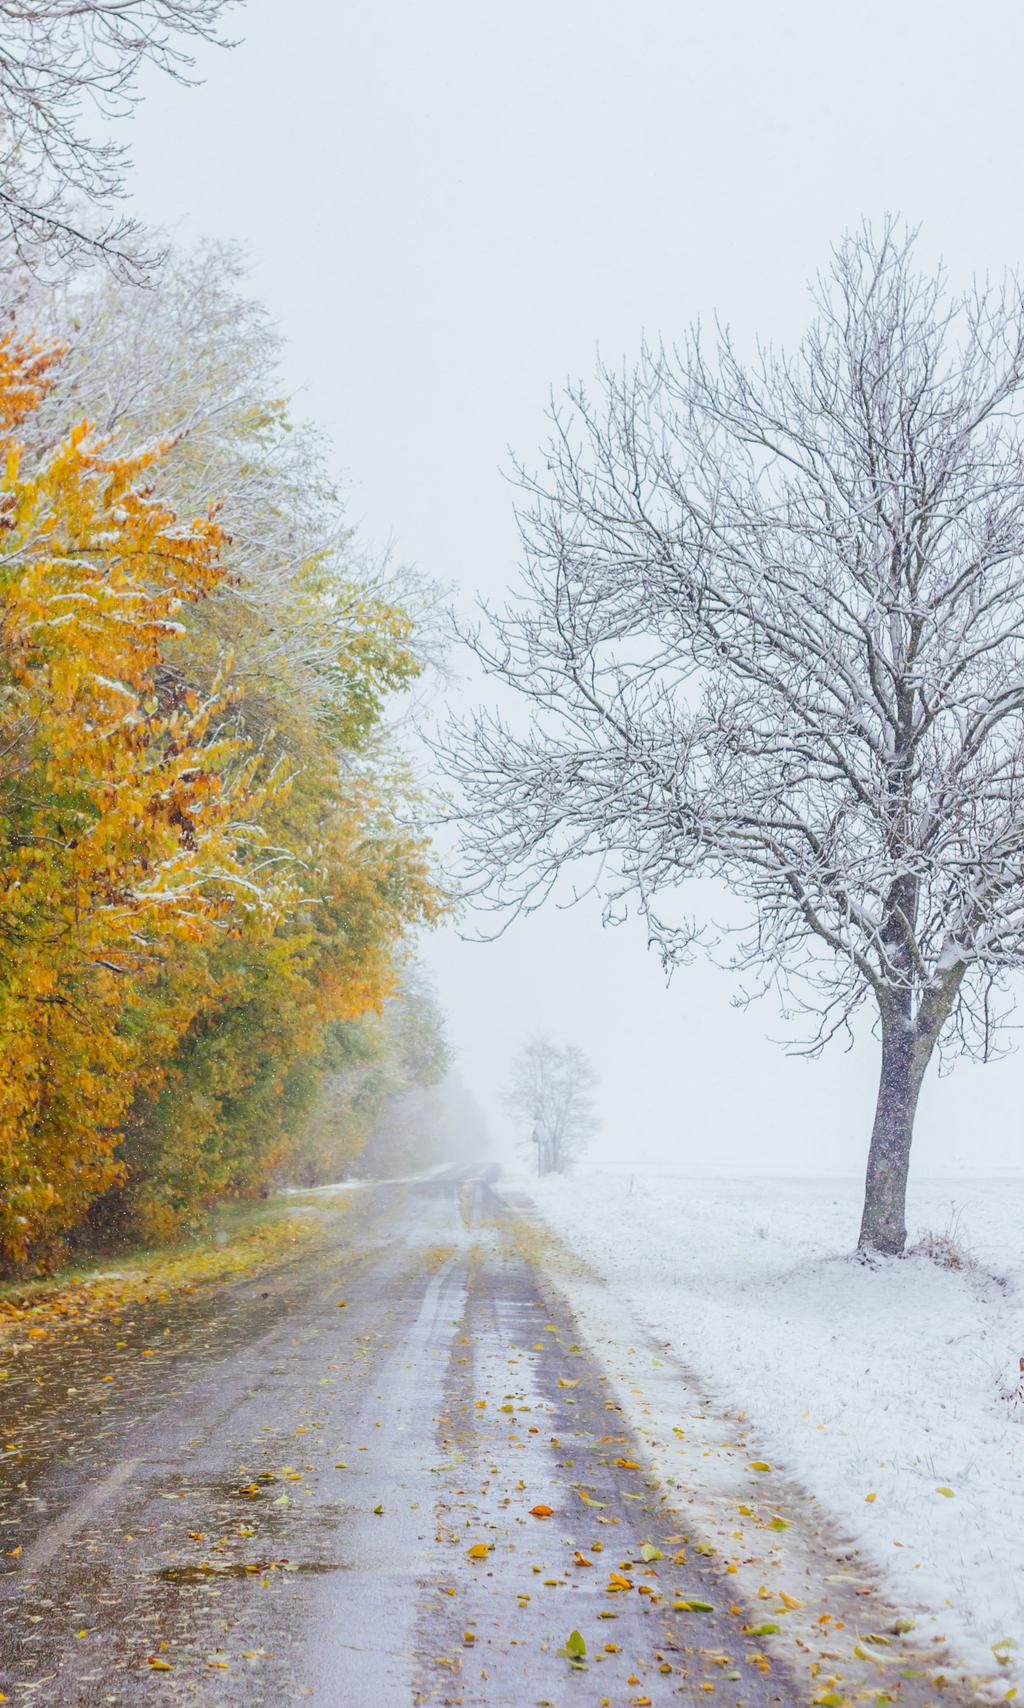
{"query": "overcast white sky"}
(447, 208)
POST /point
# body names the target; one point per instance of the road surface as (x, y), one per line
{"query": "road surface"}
(388, 1474)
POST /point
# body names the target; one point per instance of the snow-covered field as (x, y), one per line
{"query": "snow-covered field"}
(882, 1390)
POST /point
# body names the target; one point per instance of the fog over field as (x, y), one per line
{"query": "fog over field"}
(448, 209)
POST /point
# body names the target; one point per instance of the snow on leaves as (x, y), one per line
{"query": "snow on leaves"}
(162, 868)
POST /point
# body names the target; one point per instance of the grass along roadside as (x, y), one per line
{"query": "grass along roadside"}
(238, 1241)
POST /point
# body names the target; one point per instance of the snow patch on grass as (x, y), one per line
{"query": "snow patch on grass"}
(886, 1390)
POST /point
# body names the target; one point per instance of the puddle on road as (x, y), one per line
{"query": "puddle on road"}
(203, 1573)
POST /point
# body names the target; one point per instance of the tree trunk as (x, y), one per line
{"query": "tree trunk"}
(905, 1055)
(907, 1047)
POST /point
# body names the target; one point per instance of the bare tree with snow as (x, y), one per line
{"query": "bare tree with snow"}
(771, 633)
(63, 65)
(550, 1093)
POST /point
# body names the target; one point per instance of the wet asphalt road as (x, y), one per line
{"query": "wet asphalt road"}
(276, 1496)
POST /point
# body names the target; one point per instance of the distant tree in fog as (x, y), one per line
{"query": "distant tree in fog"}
(771, 634)
(426, 1125)
(550, 1094)
(379, 1112)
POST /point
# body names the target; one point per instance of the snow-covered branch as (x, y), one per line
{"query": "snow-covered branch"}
(61, 62)
(770, 632)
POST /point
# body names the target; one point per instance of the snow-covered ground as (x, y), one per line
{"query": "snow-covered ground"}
(882, 1390)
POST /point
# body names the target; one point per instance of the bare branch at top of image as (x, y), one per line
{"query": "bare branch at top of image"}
(66, 66)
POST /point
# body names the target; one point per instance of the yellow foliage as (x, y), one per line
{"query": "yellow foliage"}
(182, 919)
(128, 819)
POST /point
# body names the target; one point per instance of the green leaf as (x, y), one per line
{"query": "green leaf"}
(574, 1648)
(378, 1510)
(692, 1607)
(766, 1630)
(650, 1552)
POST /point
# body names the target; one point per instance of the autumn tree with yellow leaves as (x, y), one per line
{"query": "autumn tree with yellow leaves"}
(208, 857)
(128, 818)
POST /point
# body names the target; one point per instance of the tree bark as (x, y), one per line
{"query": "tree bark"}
(883, 1225)
(906, 1051)
(908, 1044)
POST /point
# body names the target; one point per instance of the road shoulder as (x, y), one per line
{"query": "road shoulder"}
(826, 1618)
